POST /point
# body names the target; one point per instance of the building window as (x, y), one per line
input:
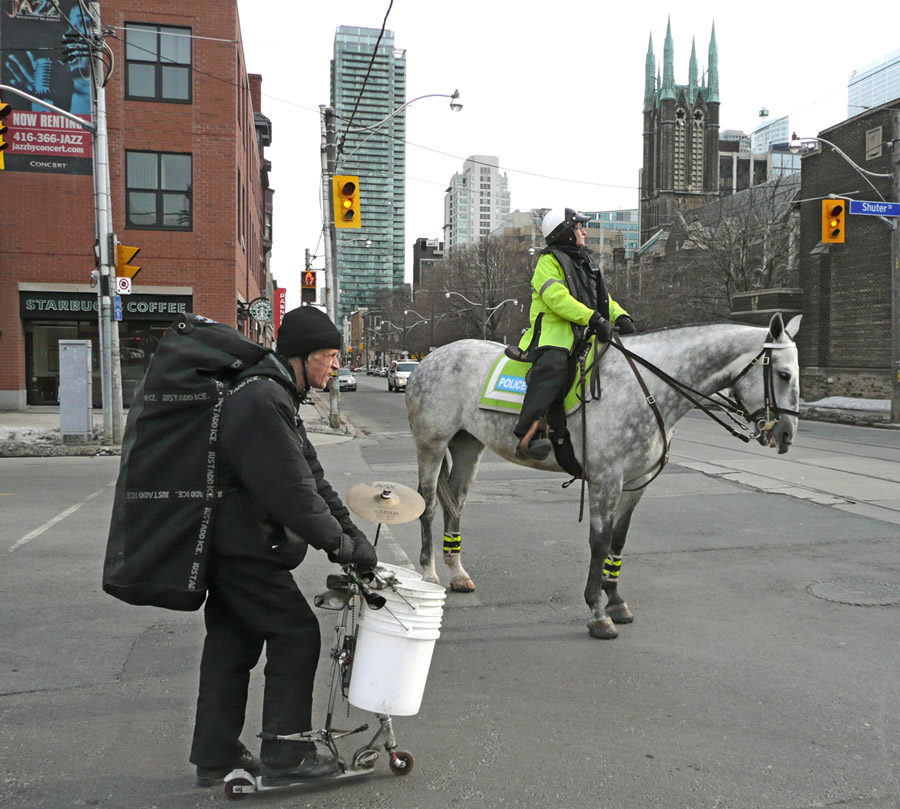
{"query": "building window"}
(158, 192)
(157, 63)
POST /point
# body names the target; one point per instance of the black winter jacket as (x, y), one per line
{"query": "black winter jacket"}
(276, 498)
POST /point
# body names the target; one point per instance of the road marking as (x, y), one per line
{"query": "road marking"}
(394, 547)
(58, 518)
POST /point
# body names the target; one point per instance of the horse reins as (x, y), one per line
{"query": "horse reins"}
(732, 407)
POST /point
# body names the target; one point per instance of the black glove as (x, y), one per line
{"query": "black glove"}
(625, 324)
(600, 326)
(355, 550)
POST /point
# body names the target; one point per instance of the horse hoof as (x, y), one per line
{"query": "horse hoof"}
(602, 628)
(620, 613)
(462, 584)
(432, 579)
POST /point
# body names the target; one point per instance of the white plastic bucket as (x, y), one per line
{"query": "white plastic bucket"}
(402, 573)
(393, 651)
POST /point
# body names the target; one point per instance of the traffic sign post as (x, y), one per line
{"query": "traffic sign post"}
(117, 306)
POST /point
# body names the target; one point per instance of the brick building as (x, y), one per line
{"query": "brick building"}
(845, 340)
(189, 186)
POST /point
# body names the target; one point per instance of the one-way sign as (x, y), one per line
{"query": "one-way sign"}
(861, 206)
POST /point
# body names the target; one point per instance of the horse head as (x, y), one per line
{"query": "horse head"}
(771, 390)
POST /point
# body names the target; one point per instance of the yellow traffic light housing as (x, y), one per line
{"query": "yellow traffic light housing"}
(346, 201)
(5, 109)
(833, 212)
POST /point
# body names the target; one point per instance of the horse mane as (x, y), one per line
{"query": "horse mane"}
(663, 329)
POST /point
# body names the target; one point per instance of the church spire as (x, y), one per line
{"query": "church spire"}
(668, 85)
(713, 67)
(692, 72)
(649, 85)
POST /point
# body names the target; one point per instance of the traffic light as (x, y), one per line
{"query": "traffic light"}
(346, 201)
(308, 287)
(5, 109)
(124, 257)
(833, 211)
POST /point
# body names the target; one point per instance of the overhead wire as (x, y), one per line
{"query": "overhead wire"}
(340, 146)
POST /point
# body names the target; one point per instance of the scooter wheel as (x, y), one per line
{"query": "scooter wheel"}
(402, 763)
(230, 791)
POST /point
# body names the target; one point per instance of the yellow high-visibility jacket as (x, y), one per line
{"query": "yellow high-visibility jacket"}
(555, 311)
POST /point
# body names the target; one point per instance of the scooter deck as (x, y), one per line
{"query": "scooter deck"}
(240, 782)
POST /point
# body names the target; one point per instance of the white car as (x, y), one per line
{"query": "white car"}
(399, 372)
(346, 380)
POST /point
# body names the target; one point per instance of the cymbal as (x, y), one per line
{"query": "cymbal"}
(390, 503)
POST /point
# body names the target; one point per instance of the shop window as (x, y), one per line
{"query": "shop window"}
(157, 63)
(159, 190)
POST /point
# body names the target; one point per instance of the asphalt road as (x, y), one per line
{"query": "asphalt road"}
(738, 685)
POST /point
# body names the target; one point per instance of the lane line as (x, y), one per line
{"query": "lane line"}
(58, 518)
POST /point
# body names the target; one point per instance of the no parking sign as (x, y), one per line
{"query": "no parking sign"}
(123, 286)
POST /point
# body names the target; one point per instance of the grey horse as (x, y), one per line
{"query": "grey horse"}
(624, 442)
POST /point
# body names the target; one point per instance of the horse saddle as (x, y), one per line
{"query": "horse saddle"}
(504, 386)
(504, 389)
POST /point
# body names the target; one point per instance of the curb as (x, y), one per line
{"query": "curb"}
(856, 418)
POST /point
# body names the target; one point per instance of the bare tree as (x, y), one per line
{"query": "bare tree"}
(742, 243)
(482, 281)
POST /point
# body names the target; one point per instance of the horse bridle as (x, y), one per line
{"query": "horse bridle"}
(770, 413)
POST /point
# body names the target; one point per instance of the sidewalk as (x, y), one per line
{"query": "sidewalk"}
(35, 432)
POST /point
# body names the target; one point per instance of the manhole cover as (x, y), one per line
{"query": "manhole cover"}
(858, 593)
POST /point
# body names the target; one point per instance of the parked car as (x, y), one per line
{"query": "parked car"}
(382, 370)
(372, 370)
(346, 380)
(399, 372)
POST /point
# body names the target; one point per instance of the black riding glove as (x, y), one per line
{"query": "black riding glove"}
(625, 324)
(355, 550)
(600, 326)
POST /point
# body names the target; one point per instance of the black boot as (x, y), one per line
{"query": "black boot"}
(531, 448)
(213, 776)
(314, 765)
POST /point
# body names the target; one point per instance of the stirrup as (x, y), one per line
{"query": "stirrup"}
(538, 449)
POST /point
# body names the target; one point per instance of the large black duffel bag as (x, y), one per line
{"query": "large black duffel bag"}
(166, 493)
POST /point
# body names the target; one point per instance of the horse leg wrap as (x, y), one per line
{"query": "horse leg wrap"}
(616, 607)
(460, 580)
(452, 545)
(611, 569)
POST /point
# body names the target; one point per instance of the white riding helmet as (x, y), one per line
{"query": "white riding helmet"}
(558, 222)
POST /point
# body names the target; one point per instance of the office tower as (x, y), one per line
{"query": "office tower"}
(874, 84)
(366, 93)
(475, 202)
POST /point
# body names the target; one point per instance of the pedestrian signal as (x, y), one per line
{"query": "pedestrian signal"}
(833, 211)
(346, 201)
(5, 109)
(124, 257)
(309, 279)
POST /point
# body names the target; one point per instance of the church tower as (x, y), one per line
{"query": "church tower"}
(681, 137)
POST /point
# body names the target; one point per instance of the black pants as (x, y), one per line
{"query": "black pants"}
(545, 384)
(251, 603)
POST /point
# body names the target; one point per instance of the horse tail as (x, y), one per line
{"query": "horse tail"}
(445, 493)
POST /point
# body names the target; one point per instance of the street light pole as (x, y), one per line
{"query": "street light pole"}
(895, 278)
(329, 159)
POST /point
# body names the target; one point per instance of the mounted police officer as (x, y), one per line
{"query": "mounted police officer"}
(568, 298)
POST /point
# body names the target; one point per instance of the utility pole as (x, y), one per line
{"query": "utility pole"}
(895, 277)
(329, 162)
(113, 416)
(108, 331)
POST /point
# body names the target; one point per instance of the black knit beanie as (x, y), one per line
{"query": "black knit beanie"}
(304, 330)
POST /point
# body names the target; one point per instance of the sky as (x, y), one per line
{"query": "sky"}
(555, 91)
